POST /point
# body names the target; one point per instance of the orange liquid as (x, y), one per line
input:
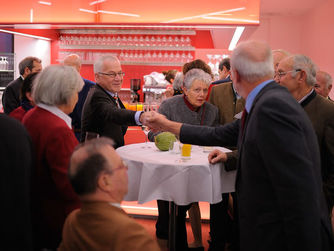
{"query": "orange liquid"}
(186, 150)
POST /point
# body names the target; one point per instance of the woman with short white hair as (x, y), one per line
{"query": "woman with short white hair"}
(55, 93)
(190, 108)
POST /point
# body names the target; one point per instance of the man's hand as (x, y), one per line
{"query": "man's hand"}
(158, 122)
(217, 156)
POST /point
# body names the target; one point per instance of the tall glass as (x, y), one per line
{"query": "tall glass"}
(146, 108)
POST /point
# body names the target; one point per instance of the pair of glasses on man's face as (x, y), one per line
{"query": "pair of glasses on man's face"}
(113, 74)
(283, 73)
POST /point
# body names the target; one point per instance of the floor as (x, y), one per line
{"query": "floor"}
(149, 224)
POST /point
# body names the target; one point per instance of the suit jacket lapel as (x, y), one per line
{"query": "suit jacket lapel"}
(110, 97)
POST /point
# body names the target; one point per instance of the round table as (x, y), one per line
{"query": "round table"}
(159, 175)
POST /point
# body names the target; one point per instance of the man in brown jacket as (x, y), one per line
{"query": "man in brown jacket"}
(298, 74)
(99, 177)
(229, 104)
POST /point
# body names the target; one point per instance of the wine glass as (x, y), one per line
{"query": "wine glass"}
(146, 108)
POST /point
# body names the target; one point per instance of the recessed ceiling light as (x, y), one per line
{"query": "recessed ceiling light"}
(25, 35)
(96, 2)
(204, 15)
(236, 36)
(45, 3)
(88, 11)
(233, 19)
(118, 13)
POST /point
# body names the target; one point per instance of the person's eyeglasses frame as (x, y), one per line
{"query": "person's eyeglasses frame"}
(283, 73)
(113, 74)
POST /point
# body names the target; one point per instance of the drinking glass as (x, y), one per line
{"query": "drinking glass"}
(146, 108)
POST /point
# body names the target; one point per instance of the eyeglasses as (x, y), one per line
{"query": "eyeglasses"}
(283, 73)
(113, 74)
(110, 171)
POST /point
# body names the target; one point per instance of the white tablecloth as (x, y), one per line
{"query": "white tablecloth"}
(154, 174)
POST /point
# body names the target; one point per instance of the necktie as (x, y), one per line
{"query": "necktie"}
(243, 121)
(117, 101)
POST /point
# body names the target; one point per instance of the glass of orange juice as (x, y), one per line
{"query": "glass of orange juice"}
(186, 151)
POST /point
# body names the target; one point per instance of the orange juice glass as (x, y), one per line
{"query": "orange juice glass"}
(132, 107)
(139, 106)
(186, 150)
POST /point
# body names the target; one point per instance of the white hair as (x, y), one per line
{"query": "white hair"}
(302, 62)
(178, 81)
(328, 78)
(56, 84)
(246, 62)
(196, 74)
(99, 63)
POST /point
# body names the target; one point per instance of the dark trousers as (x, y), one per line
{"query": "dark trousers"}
(223, 229)
(180, 228)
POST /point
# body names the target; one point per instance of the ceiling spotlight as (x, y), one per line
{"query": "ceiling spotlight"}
(96, 2)
(236, 36)
(45, 3)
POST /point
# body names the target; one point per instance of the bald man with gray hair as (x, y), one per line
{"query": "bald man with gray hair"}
(298, 74)
(278, 184)
(323, 85)
(75, 61)
(278, 56)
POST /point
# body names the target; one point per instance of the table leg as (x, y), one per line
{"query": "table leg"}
(172, 226)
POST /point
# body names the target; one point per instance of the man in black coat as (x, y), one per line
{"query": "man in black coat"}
(11, 96)
(16, 164)
(278, 186)
(103, 112)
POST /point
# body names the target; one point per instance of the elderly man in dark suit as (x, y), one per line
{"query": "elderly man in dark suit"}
(298, 74)
(11, 96)
(278, 186)
(75, 61)
(103, 112)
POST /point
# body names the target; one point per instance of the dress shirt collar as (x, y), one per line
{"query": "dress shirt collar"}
(235, 92)
(114, 95)
(305, 97)
(59, 113)
(252, 95)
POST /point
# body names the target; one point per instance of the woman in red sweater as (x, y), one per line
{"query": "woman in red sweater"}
(55, 93)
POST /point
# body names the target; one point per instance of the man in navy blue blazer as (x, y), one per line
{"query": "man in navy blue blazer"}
(74, 61)
(279, 189)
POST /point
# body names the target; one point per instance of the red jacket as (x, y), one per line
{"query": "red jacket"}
(53, 196)
(18, 113)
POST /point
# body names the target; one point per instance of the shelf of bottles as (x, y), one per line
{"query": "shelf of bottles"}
(6, 69)
(131, 49)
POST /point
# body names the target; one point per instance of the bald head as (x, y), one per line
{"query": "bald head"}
(74, 61)
(88, 161)
(323, 84)
(278, 56)
(253, 61)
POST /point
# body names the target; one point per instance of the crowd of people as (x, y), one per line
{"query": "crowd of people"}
(272, 108)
